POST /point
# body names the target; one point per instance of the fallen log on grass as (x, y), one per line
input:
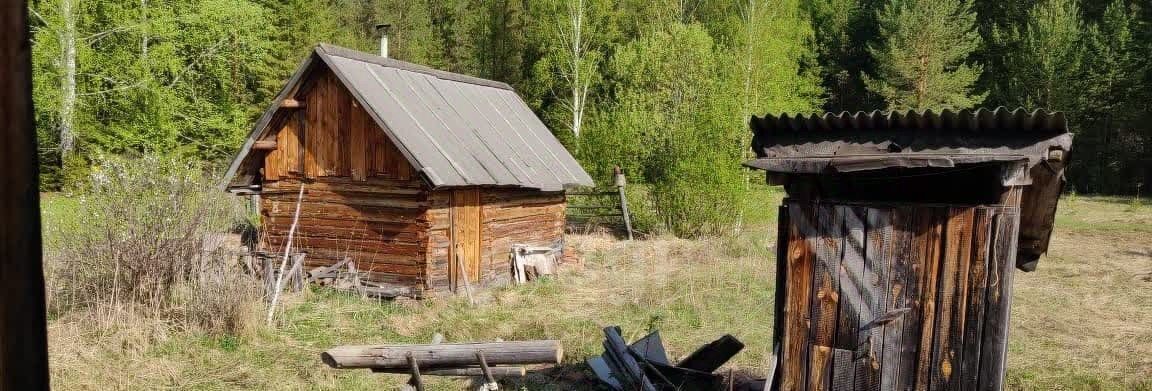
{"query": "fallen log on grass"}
(449, 355)
(463, 372)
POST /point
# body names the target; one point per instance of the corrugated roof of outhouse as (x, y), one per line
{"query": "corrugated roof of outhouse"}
(1000, 118)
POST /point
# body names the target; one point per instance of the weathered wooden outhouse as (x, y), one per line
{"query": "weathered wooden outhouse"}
(406, 170)
(898, 240)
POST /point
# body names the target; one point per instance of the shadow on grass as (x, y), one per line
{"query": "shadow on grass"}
(573, 376)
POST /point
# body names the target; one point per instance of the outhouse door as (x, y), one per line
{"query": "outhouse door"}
(465, 254)
(894, 297)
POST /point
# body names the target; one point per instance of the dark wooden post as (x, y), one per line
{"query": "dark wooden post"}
(620, 183)
(23, 330)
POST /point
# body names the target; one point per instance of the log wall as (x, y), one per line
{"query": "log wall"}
(940, 274)
(381, 224)
(362, 199)
(508, 216)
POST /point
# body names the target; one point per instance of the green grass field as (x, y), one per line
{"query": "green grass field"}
(1083, 321)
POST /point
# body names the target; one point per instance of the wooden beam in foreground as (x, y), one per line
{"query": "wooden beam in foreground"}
(444, 355)
(467, 371)
(23, 330)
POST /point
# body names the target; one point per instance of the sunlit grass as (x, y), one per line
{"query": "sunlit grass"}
(1080, 322)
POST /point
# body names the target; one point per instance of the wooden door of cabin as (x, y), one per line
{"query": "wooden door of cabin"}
(896, 297)
(465, 252)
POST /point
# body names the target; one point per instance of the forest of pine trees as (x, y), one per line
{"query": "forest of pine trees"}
(662, 88)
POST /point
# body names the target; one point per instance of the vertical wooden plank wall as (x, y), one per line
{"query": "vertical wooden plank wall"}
(801, 235)
(941, 274)
(465, 248)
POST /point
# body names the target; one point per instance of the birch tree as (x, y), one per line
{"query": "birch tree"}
(570, 67)
(68, 78)
(580, 61)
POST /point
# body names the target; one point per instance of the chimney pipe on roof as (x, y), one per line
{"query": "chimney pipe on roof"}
(383, 29)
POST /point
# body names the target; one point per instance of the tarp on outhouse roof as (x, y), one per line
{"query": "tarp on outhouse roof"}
(456, 130)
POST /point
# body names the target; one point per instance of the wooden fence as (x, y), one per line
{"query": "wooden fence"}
(602, 206)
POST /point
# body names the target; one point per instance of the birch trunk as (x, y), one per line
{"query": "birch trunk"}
(68, 80)
(578, 80)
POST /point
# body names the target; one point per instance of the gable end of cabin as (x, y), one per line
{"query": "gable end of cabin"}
(362, 199)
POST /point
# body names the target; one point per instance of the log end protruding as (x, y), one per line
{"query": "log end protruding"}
(329, 360)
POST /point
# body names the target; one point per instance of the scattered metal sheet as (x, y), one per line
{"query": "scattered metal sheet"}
(712, 356)
(644, 364)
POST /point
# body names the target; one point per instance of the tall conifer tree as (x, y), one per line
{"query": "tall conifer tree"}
(922, 59)
(1042, 72)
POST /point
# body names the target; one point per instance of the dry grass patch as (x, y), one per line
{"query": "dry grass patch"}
(1083, 321)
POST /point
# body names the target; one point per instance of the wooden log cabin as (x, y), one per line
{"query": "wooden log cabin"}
(898, 239)
(419, 176)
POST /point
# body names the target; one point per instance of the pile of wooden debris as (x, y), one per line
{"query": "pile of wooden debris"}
(644, 365)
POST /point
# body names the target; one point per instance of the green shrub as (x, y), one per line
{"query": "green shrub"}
(150, 238)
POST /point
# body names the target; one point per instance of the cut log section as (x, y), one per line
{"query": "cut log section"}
(264, 145)
(444, 355)
(290, 103)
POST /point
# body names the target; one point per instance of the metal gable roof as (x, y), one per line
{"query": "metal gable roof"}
(457, 130)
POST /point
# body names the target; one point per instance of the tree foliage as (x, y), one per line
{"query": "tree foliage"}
(663, 88)
(922, 55)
